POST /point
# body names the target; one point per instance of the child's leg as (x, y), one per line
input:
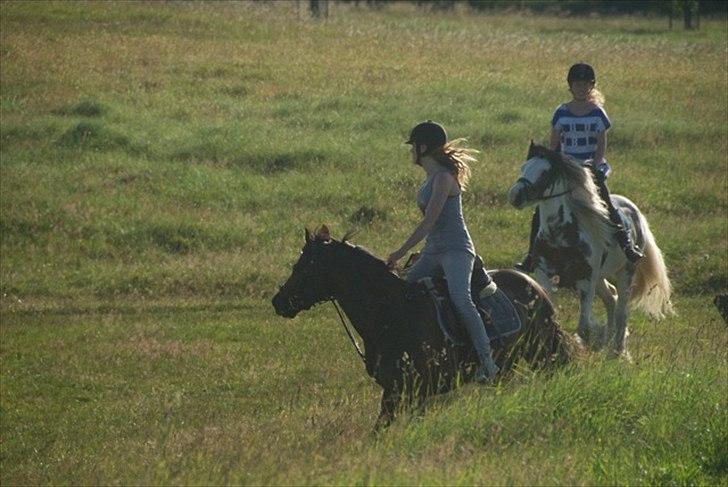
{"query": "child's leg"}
(601, 173)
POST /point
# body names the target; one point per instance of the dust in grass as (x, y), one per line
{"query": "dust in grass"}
(84, 108)
(235, 91)
(28, 136)
(367, 215)
(273, 163)
(98, 136)
(152, 347)
(509, 117)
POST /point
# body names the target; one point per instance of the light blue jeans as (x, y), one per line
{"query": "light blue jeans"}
(457, 267)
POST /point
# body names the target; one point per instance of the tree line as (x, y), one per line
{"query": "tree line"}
(687, 11)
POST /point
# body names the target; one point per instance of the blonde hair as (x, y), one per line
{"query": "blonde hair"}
(456, 159)
(596, 97)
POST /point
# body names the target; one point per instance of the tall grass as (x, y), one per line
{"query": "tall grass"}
(159, 163)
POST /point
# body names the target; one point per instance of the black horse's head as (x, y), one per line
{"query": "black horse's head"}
(308, 283)
(539, 174)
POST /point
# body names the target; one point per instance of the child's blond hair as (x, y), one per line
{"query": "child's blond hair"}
(596, 97)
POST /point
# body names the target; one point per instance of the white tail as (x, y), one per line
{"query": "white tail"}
(652, 289)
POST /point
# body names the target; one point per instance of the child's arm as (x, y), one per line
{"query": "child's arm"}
(601, 148)
(555, 139)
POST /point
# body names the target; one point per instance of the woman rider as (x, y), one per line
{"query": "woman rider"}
(448, 249)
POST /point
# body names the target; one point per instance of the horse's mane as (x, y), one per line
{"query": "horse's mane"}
(584, 198)
(366, 258)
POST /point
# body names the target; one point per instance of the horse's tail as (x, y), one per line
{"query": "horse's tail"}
(652, 289)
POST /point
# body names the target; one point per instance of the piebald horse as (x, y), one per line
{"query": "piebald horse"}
(575, 246)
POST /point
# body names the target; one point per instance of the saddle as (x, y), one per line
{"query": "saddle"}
(495, 308)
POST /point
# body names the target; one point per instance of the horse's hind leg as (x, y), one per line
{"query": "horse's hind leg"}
(608, 294)
(619, 339)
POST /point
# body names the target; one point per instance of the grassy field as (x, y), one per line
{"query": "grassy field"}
(159, 162)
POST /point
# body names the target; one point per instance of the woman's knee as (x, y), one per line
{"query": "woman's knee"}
(462, 302)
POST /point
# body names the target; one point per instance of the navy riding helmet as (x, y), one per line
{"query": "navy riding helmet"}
(428, 133)
(581, 72)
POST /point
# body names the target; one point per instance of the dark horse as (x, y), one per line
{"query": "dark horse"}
(405, 350)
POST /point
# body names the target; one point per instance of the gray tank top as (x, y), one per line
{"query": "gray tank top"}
(449, 232)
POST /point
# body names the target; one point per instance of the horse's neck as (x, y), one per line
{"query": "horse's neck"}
(369, 300)
(559, 213)
(554, 214)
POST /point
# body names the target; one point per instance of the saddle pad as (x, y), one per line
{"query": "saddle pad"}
(499, 315)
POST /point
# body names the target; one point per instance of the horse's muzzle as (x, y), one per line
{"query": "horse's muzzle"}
(517, 195)
(284, 306)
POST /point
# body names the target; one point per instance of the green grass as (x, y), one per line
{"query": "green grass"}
(159, 164)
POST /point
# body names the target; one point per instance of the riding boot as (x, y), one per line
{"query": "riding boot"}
(622, 235)
(625, 241)
(486, 371)
(528, 264)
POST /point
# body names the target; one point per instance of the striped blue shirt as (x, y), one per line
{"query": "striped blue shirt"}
(579, 133)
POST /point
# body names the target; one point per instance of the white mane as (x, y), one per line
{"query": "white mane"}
(584, 198)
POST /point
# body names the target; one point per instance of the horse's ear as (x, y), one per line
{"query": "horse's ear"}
(309, 237)
(323, 234)
(531, 150)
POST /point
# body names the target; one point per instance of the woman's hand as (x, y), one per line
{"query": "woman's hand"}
(394, 257)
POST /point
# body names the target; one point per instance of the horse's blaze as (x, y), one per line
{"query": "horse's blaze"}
(516, 195)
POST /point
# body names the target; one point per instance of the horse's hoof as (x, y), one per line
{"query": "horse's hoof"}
(623, 355)
(600, 337)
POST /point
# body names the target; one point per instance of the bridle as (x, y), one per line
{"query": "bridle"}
(296, 303)
(549, 184)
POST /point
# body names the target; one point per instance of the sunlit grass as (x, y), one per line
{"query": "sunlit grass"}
(159, 164)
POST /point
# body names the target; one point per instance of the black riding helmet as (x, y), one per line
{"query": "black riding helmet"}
(428, 133)
(581, 72)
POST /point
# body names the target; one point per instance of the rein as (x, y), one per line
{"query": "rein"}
(348, 332)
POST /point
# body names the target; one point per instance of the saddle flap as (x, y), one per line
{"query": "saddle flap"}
(500, 317)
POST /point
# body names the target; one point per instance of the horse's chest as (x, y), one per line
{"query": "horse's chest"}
(563, 255)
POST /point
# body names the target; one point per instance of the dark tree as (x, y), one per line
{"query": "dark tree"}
(319, 8)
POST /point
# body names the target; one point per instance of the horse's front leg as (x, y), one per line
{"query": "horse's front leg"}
(545, 282)
(619, 339)
(586, 329)
(608, 294)
(388, 409)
